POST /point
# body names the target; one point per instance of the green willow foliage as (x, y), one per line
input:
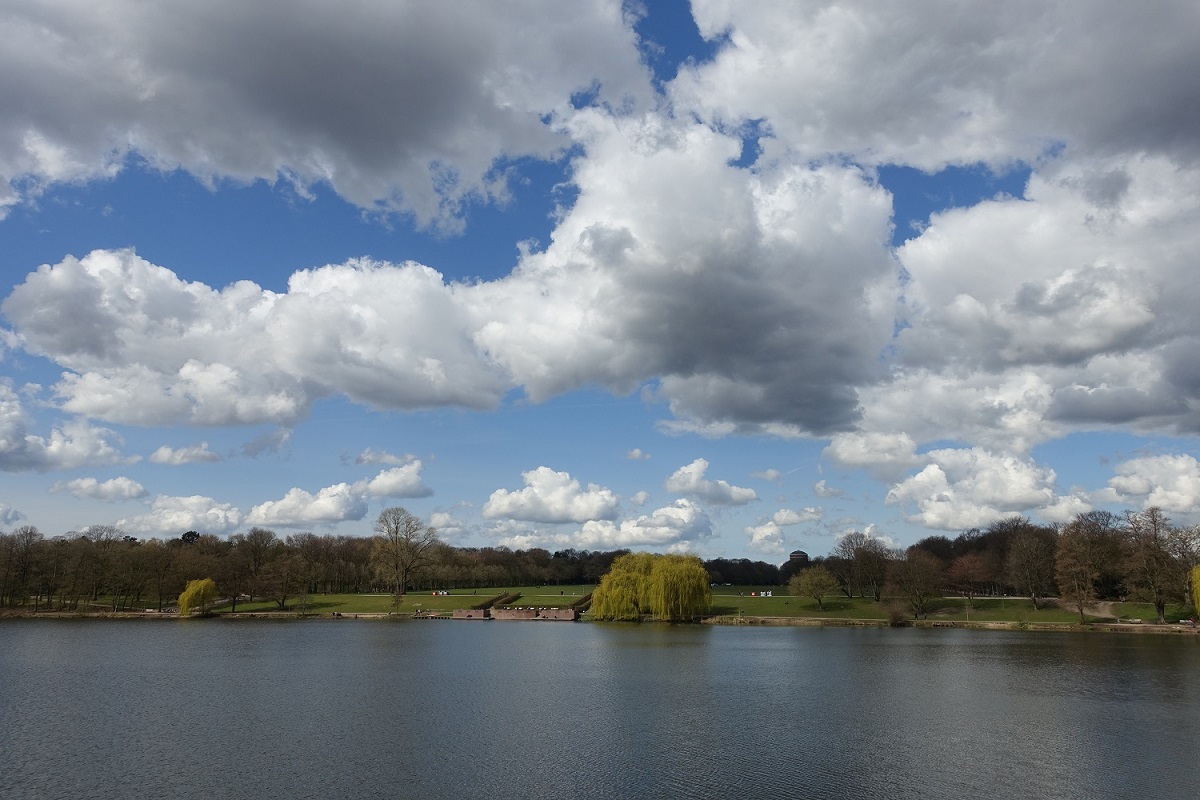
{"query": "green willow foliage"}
(199, 593)
(1196, 589)
(667, 587)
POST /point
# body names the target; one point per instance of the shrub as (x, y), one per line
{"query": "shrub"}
(897, 615)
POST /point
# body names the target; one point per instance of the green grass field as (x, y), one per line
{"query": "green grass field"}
(728, 601)
(1145, 612)
(542, 597)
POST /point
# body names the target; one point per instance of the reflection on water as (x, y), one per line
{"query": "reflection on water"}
(465, 709)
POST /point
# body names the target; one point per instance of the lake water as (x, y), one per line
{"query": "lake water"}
(432, 709)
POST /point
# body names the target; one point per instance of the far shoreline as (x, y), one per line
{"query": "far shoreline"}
(722, 620)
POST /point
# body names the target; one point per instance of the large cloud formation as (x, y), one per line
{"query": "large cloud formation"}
(749, 285)
(410, 107)
(932, 84)
(145, 347)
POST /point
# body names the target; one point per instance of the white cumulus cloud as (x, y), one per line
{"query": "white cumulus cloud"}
(448, 527)
(114, 490)
(439, 96)
(680, 523)
(373, 456)
(172, 516)
(74, 443)
(1171, 482)
(298, 508)
(803, 69)
(767, 538)
(747, 301)
(9, 515)
(822, 489)
(689, 480)
(192, 454)
(405, 481)
(790, 516)
(153, 349)
(882, 453)
(972, 487)
(552, 497)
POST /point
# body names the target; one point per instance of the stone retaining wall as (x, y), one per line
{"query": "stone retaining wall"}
(563, 614)
(470, 613)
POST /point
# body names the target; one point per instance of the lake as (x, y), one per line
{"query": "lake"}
(433, 709)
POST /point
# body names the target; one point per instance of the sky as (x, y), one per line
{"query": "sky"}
(724, 278)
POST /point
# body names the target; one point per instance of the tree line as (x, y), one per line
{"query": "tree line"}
(1097, 556)
(102, 567)
(77, 570)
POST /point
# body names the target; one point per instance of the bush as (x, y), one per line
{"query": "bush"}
(897, 615)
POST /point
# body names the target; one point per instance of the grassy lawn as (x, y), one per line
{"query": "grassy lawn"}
(727, 601)
(551, 596)
(1000, 609)
(544, 597)
(1146, 613)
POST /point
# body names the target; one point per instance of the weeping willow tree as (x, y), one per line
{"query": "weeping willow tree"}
(198, 593)
(1196, 589)
(622, 593)
(679, 588)
(667, 587)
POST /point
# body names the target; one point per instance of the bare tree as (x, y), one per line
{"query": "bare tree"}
(22, 548)
(402, 546)
(918, 577)
(1156, 558)
(967, 574)
(862, 560)
(260, 546)
(314, 552)
(1030, 562)
(282, 578)
(871, 561)
(105, 539)
(233, 574)
(842, 558)
(1081, 555)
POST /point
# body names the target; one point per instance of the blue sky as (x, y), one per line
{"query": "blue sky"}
(733, 279)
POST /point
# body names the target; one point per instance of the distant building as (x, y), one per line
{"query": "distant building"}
(797, 561)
